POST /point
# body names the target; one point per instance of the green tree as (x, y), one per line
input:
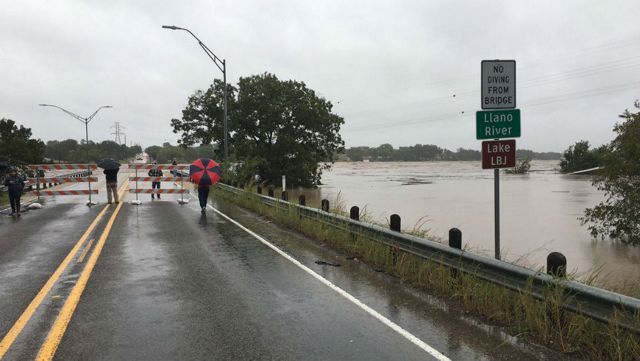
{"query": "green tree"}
(203, 118)
(579, 157)
(276, 127)
(16, 145)
(618, 216)
(152, 151)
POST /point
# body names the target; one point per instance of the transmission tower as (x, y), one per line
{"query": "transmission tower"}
(118, 132)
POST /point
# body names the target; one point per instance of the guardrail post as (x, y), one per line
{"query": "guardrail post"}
(302, 200)
(455, 238)
(270, 192)
(259, 190)
(284, 196)
(394, 222)
(354, 213)
(557, 264)
(394, 225)
(324, 205)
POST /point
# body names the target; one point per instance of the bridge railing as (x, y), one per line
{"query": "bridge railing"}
(596, 303)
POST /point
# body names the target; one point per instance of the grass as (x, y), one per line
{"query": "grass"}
(520, 314)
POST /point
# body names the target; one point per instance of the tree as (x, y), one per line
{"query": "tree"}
(16, 144)
(152, 151)
(276, 127)
(579, 157)
(202, 119)
(618, 216)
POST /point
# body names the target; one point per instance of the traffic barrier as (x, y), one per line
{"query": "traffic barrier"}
(61, 166)
(66, 193)
(82, 175)
(155, 179)
(137, 166)
(175, 168)
(64, 179)
(158, 191)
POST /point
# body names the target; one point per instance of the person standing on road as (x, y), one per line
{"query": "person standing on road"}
(15, 185)
(203, 196)
(174, 171)
(155, 172)
(112, 184)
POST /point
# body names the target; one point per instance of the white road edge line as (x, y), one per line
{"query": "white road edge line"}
(406, 334)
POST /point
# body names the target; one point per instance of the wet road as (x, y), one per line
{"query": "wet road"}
(170, 284)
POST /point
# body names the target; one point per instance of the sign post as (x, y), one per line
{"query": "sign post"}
(501, 120)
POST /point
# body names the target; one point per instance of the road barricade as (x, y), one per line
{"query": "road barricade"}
(82, 175)
(175, 168)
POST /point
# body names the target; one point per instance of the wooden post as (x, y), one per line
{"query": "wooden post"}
(325, 205)
(455, 238)
(394, 222)
(557, 264)
(354, 213)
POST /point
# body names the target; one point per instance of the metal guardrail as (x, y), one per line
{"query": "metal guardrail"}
(596, 303)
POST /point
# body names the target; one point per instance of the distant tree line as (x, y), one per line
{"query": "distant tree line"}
(429, 152)
(182, 154)
(72, 151)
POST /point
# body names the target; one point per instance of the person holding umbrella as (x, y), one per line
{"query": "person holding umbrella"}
(111, 168)
(15, 183)
(204, 172)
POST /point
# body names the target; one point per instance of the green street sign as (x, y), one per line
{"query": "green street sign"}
(498, 124)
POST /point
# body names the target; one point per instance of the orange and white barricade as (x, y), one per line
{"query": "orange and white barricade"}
(83, 175)
(136, 179)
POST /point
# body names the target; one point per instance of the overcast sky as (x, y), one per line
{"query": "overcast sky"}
(391, 68)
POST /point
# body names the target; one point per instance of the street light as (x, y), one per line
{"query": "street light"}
(86, 131)
(222, 65)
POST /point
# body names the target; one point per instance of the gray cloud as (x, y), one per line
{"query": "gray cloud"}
(390, 67)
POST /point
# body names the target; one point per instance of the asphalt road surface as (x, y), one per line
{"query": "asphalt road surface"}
(160, 281)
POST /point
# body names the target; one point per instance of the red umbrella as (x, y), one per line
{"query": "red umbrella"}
(204, 172)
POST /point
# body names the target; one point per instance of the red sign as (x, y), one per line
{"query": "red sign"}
(499, 154)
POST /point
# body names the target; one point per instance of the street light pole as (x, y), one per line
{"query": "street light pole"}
(86, 132)
(222, 65)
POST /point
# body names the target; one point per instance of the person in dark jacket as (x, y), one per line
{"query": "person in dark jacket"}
(203, 196)
(112, 184)
(155, 172)
(15, 185)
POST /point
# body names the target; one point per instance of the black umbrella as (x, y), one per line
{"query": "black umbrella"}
(108, 163)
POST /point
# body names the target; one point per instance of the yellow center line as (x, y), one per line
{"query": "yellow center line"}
(26, 315)
(86, 249)
(35, 303)
(48, 349)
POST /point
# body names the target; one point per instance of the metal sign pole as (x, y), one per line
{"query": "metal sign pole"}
(181, 186)
(496, 182)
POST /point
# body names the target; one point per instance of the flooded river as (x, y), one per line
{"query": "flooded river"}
(539, 211)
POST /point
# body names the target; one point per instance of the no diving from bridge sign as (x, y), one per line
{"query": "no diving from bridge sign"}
(498, 84)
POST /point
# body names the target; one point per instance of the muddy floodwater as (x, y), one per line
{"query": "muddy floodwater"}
(539, 211)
